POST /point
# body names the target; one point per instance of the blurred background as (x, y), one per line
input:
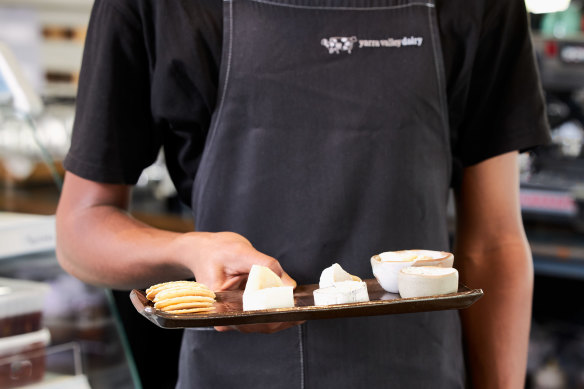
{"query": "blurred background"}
(79, 336)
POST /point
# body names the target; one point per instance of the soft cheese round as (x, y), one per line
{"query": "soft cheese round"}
(425, 281)
(342, 292)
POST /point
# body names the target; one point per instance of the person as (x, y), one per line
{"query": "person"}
(303, 133)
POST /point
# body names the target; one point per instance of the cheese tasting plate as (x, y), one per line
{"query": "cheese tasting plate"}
(228, 307)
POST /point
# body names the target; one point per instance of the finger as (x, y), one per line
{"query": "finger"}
(273, 264)
(265, 328)
(234, 282)
(258, 258)
(251, 328)
(287, 280)
(224, 328)
(261, 259)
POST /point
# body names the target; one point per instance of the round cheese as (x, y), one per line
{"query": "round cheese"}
(341, 292)
(422, 281)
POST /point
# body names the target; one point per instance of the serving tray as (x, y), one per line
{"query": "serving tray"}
(229, 307)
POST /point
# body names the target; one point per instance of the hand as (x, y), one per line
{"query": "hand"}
(223, 262)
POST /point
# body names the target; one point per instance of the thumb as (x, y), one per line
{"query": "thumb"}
(287, 280)
(274, 265)
(255, 257)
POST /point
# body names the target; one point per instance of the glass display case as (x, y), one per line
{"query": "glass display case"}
(54, 329)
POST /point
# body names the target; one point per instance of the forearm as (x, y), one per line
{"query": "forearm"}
(496, 328)
(103, 245)
(100, 243)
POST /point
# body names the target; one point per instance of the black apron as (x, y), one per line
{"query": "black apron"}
(329, 144)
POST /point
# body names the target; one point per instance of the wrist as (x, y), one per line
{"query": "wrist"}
(186, 252)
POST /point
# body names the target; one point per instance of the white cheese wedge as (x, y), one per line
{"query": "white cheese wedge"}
(421, 281)
(335, 273)
(386, 266)
(261, 277)
(268, 298)
(265, 290)
(341, 292)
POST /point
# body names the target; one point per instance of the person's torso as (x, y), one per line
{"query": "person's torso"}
(328, 142)
(184, 43)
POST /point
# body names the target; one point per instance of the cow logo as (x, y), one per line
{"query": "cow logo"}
(337, 44)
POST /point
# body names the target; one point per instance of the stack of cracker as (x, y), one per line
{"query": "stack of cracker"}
(181, 297)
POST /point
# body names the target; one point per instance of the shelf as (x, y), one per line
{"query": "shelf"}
(559, 259)
(51, 4)
(556, 268)
(54, 381)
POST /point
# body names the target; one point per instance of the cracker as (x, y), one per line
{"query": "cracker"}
(181, 297)
(174, 307)
(183, 291)
(184, 299)
(171, 284)
(192, 310)
(154, 289)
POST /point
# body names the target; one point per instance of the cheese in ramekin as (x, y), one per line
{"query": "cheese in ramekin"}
(423, 281)
(386, 265)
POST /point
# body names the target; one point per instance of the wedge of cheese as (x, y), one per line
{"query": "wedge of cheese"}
(335, 273)
(265, 290)
(422, 281)
(337, 286)
(261, 277)
(268, 298)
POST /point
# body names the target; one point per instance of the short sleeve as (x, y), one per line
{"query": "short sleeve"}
(113, 138)
(505, 108)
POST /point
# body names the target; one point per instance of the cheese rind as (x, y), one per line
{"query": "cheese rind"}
(342, 292)
(268, 298)
(425, 281)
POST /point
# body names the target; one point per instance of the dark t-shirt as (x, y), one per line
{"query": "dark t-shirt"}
(150, 74)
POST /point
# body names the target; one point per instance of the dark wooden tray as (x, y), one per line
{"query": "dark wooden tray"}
(229, 307)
